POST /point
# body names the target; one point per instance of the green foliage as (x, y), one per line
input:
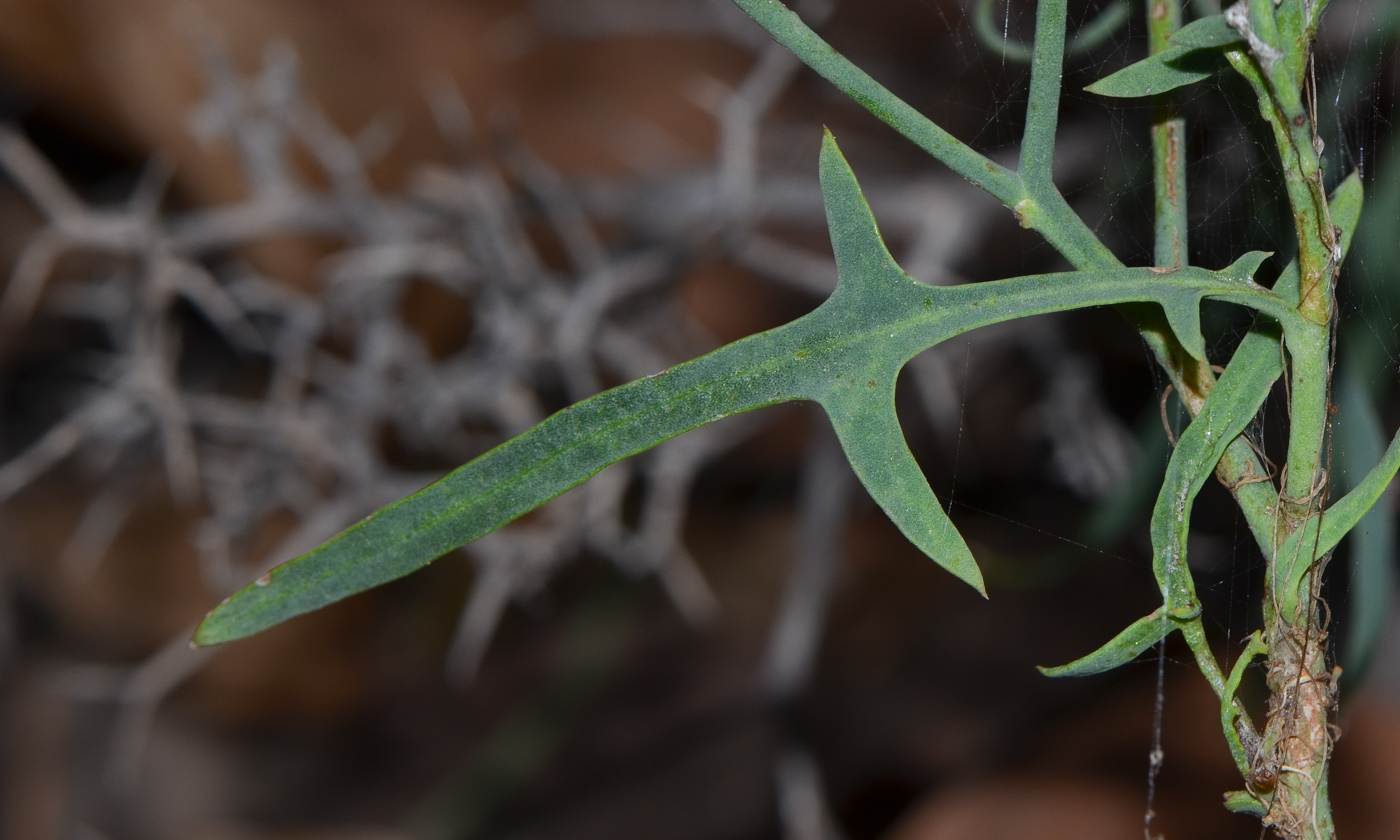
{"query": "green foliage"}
(1194, 54)
(1360, 443)
(1122, 649)
(847, 354)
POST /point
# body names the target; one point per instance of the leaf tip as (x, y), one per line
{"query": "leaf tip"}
(1184, 318)
(206, 634)
(228, 622)
(967, 571)
(213, 629)
(829, 146)
(1245, 267)
(1121, 649)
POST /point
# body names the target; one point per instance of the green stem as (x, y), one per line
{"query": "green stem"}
(1297, 743)
(1038, 206)
(1037, 164)
(1281, 105)
(1090, 36)
(1168, 148)
(789, 30)
(1309, 352)
(1239, 464)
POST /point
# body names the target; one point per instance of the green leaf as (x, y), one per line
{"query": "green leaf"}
(1326, 531)
(1231, 405)
(1338, 520)
(1184, 310)
(1344, 206)
(845, 355)
(1037, 159)
(1207, 33)
(1192, 55)
(1359, 443)
(1166, 71)
(1228, 409)
(1124, 648)
(870, 435)
(1231, 710)
(1030, 195)
(1244, 802)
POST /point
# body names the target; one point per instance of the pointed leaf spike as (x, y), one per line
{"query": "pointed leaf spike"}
(1184, 315)
(1155, 75)
(860, 251)
(860, 402)
(1124, 648)
(1245, 267)
(1193, 55)
(863, 414)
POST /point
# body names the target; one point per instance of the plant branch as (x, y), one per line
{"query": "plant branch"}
(789, 30)
(1037, 163)
(1040, 207)
(1319, 255)
(1168, 147)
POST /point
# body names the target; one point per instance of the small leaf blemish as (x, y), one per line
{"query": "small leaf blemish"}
(1022, 212)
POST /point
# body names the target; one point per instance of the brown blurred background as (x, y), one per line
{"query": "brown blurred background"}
(275, 264)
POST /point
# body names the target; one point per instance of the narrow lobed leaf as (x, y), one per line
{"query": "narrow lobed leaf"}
(1122, 649)
(845, 355)
(865, 422)
(1232, 404)
(507, 482)
(1338, 520)
(1193, 54)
